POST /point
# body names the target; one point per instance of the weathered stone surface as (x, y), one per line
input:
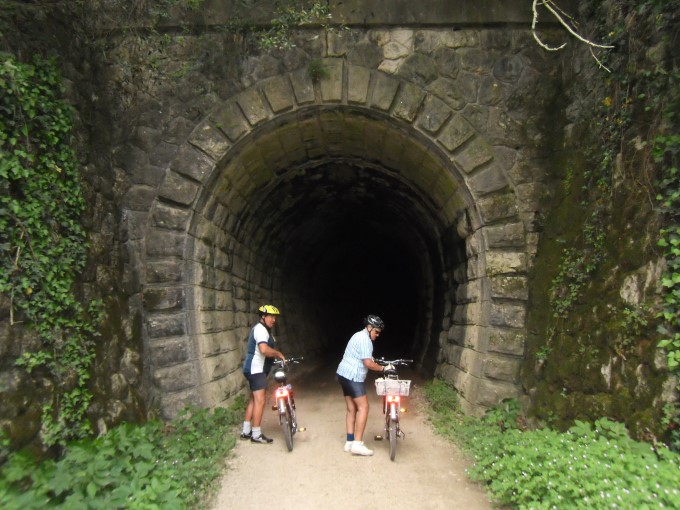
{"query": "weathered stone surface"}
(475, 153)
(163, 299)
(505, 262)
(170, 351)
(507, 341)
(510, 287)
(491, 393)
(434, 114)
(358, 79)
(178, 189)
(384, 91)
(504, 369)
(253, 107)
(159, 326)
(408, 102)
(230, 120)
(279, 94)
(455, 133)
(506, 235)
(172, 218)
(331, 83)
(507, 315)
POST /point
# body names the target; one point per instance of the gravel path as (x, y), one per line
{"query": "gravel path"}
(428, 473)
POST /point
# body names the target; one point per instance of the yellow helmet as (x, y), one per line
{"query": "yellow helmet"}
(268, 310)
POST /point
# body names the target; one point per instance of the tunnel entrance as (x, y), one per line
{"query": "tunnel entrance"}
(333, 204)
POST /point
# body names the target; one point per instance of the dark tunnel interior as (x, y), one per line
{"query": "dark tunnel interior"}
(358, 244)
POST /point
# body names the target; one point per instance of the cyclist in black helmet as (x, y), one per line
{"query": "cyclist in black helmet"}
(351, 374)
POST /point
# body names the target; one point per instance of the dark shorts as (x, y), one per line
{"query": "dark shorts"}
(256, 381)
(351, 388)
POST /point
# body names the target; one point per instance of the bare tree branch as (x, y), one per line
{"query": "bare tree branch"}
(550, 5)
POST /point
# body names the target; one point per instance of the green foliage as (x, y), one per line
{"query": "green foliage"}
(290, 14)
(42, 244)
(131, 467)
(586, 467)
(577, 266)
(666, 150)
(316, 70)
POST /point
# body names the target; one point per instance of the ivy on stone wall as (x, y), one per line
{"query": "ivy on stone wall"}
(42, 244)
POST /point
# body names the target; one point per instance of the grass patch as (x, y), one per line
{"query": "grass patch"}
(153, 466)
(588, 466)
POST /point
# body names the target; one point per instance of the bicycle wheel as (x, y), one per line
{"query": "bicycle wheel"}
(392, 434)
(287, 428)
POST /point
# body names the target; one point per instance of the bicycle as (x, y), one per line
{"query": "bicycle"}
(284, 400)
(391, 388)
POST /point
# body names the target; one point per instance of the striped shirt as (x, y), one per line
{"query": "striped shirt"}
(358, 349)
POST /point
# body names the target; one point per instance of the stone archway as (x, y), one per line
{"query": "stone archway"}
(276, 192)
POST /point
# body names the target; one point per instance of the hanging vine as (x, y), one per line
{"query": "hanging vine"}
(42, 244)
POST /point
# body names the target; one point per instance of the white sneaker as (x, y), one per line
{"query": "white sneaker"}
(348, 446)
(358, 448)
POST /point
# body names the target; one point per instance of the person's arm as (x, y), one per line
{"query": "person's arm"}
(372, 365)
(270, 352)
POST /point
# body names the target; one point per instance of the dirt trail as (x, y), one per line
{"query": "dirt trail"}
(428, 473)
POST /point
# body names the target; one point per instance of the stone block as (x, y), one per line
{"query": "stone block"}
(498, 206)
(455, 133)
(508, 315)
(159, 326)
(172, 404)
(503, 262)
(408, 102)
(279, 94)
(474, 154)
(433, 115)
(503, 369)
(139, 197)
(384, 91)
(505, 235)
(358, 79)
(330, 85)
(253, 107)
(169, 351)
(303, 87)
(175, 378)
(178, 189)
(165, 243)
(509, 287)
(230, 121)
(192, 163)
(210, 140)
(491, 393)
(507, 341)
(163, 298)
(169, 217)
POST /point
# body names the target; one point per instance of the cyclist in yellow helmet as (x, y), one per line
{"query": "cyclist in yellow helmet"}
(261, 351)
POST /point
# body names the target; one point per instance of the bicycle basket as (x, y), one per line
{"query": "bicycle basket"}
(392, 387)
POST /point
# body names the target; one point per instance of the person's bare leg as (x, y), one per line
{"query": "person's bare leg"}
(351, 416)
(361, 417)
(258, 407)
(249, 409)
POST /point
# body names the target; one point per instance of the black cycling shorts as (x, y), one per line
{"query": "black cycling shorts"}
(256, 381)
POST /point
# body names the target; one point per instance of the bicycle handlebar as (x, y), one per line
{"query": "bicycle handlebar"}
(396, 362)
(296, 359)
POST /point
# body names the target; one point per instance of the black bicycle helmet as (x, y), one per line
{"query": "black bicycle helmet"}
(375, 321)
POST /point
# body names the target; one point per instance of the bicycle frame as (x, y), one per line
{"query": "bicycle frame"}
(392, 394)
(285, 401)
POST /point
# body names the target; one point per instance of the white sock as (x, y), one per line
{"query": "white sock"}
(247, 428)
(257, 432)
